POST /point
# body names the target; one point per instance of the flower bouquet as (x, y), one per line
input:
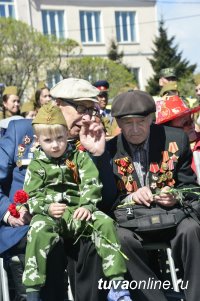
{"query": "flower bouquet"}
(20, 198)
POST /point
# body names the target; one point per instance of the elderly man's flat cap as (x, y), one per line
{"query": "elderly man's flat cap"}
(133, 104)
(75, 89)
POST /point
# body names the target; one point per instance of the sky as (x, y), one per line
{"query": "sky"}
(182, 20)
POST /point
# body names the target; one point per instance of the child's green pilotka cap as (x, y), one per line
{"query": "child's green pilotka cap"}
(10, 90)
(49, 114)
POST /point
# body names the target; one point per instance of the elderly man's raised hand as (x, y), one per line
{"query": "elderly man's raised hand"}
(92, 137)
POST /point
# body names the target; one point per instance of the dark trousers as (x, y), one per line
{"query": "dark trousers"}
(185, 243)
(85, 270)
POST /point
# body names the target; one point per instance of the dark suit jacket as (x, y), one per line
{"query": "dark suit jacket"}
(159, 141)
(12, 176)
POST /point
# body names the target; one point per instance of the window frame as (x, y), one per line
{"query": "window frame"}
(8, 5)
(96, 29)
(130, 32)
(59, 32)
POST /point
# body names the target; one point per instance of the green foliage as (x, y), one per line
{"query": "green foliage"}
(166, 55)
(22, 52)
(93, 69)
(113, 53)
(25, 54)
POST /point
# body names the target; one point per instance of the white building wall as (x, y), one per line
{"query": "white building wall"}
(135, 54)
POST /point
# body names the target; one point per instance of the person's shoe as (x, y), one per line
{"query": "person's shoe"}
(119, 295)
(33, 296)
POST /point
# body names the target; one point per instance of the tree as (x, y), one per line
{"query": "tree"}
(25, 54)
(167, 55)
(93, 69)
(113, 53)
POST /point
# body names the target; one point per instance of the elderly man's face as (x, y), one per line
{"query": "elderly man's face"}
(73, 116)
(135, 129)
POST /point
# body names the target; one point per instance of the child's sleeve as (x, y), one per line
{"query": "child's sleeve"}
(34, 185)
(90, 186)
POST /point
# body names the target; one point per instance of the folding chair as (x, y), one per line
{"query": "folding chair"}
(4, 289)
(164, 246)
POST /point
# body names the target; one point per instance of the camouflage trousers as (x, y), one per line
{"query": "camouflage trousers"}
(45, 232)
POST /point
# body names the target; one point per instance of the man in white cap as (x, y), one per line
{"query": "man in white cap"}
(76, 98)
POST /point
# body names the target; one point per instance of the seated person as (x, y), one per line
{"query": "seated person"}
(136, 157)
(16, 149)
(63, 186)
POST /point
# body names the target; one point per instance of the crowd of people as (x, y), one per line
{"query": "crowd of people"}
(77, 163)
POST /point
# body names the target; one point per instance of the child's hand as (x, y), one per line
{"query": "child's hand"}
(57, 209)
(82, 214)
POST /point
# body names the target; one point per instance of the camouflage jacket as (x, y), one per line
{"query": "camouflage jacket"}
(72, 179)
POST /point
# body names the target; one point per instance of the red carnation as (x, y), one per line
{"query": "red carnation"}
(13, 210)
(21, 197)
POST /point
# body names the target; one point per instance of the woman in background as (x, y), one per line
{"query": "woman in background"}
(10, 102)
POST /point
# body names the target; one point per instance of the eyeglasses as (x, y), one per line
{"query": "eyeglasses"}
(81, 109)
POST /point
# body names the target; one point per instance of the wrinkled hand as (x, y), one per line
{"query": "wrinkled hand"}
(82, 214)
(56, 210)
(92, 137)
(166, 199)
(143, 196)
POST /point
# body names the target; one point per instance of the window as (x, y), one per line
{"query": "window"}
(90, 27)
(7, 9)
(125, 27)
(53, 23)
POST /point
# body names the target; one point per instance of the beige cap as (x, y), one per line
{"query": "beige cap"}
(171, 86)
(49, 114)
(75, 89)
(10, 90)
(41, 85)
(27, 107)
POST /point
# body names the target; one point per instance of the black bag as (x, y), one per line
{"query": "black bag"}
(143, 219)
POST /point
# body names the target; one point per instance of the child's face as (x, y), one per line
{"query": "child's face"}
(54, 145)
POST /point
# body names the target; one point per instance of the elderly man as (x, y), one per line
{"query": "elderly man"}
(76, 98)
(142, 155)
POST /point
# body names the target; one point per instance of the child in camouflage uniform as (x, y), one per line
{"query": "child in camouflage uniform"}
(63, 187)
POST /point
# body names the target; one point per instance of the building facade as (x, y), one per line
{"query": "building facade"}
(93, 24)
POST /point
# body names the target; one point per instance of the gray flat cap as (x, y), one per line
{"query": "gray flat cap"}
(133, 104)
(74, 89)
